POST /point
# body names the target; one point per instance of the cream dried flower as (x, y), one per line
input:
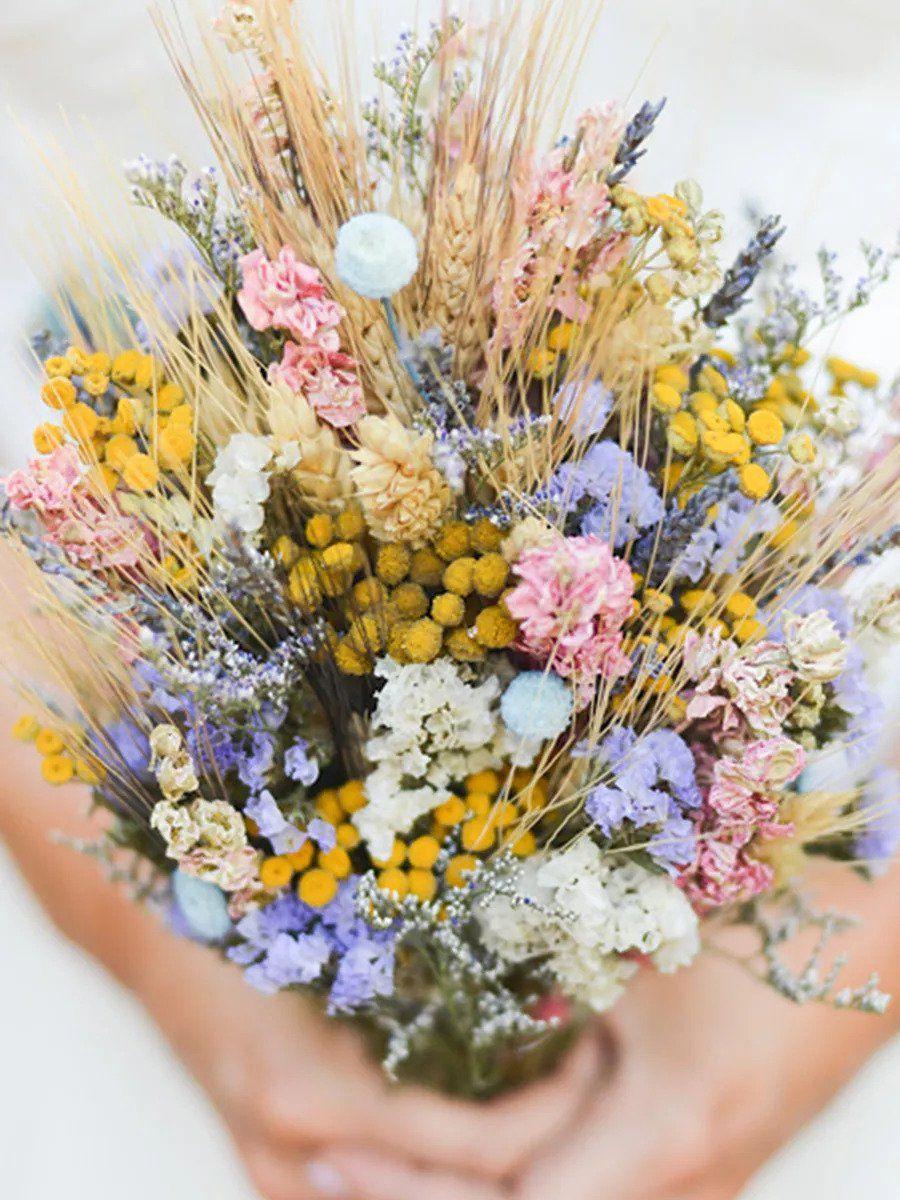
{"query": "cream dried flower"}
(817, 650)
(311, 451)
(403, 495)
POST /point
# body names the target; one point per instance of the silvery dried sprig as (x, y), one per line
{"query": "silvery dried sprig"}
(631, 148)
(741, 275)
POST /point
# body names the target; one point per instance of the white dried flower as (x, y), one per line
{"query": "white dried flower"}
(816, 648)
(240, 482)
(376, 255)
(176, 777)
(166, 741)
(239, 24)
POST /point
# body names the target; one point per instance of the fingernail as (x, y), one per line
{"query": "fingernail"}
(325, 1179)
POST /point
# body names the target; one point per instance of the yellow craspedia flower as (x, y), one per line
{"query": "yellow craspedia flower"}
(524, 845)
(721, 448)
(95, 383)
(450, 812)
(664, 398)
(697, 600)
(81, 422)
(328, 806)
(285, 551)
(337, 861)
(462, 647)
(494, 628)
(765, 428)
(747, 629)
(48, 741)
(26, 728)
(701, 402)
(366, 634)
(676, 377)
(175, 447)
(47, 438)
(754, 482)
(784, 534)
(368, 593)
(490, 574)
(423, 852)
(275, 872)
(733, 414)
(351, 661)
(423, 641)
(302, 858)
(392, 562)
(562, 336)
(304, 587)
(169, 397)
(140, 473)
(352, 795)
(410, 600)
(487, 780)
(392, 879)
(448, 609)
(59, 393)
(317, 887)
(422, 884)
(144, 372)
(459, 576)
(740, 605)
(657, 601)
(425, 568)
(350, 524)
(452, 540)
(57, 768)
(348, 836)
(119, 449)
(320, 531)
(57, 366)
(802, 450)
(711, 419)
(541, 362)
(459, 870)
(714, 381)
(124, 366)
(479, 803)
(486, 536)
(339, 556)
(681, 433)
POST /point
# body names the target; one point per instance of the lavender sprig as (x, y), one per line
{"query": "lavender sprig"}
(631, 148)
(741, 275)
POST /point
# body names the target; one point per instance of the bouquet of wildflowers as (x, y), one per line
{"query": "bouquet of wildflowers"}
(444, 569)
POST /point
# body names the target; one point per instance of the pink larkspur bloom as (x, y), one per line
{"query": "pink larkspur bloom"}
(572, 601)
(286, 294)
(326, 377)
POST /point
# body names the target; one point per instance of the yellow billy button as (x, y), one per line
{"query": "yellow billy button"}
(317, 887)
(664, 398)
(422, 884)
(329, 807)
(25, 729)
(337, 861)
(348, 836)
(302, 858)
(765, 428)
(275, 872)
(140, 473)
(478, 834)
(423, 852)
(484, 781)
(754, 482)
(451, 812)
(352, 796)
(48, 741)
(57, 768)
(459, 870)
(392, 879)
(396, 858)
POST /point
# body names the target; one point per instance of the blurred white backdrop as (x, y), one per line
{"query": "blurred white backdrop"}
(793, 106)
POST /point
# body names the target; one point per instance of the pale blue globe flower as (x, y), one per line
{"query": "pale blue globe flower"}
(203, 906)
(537, 706)
(376, 255)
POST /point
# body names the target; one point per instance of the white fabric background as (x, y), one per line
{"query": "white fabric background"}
(794, 105)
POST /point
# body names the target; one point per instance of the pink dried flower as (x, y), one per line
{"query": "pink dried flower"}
(740, 687)
(724, 873)
(286, 294)
(573, 600)
(326, 377)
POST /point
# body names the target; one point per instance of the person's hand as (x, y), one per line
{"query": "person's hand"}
(312, 1115)
(713, 1072)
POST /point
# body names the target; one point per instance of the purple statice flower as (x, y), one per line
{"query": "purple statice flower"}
(654, 784)
(255, 763)
(615, 497)
(587, 406)
(855, 695)
(693, 560)
(298, 765)
(879, 840)
(124, 742)
(740, 519)
(287, 943)
(284, 837)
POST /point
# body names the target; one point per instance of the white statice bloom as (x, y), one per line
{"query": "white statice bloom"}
(430, 728)
(817, 651)
(240, 482)
(208, 839)
(583, 911)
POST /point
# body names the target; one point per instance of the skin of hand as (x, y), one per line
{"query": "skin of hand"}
(291, 1086)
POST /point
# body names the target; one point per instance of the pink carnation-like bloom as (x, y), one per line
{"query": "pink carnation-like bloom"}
(573, 600)
(92, 535)
(740, 687)
(326, 377)
(724, 873)
(744, 795)
(286, 294)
